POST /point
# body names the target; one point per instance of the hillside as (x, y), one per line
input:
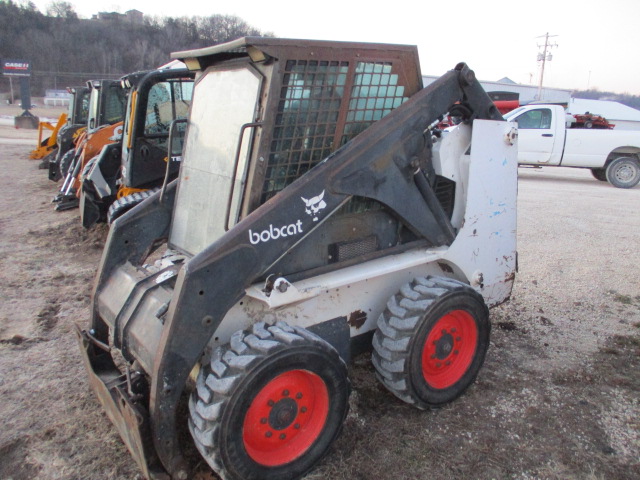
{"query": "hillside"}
(66, 50)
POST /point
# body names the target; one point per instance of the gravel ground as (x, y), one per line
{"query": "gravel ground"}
(558, 397)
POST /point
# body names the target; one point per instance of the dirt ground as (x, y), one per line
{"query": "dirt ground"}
(558, 397)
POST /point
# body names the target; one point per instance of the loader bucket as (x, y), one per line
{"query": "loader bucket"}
(130, 418)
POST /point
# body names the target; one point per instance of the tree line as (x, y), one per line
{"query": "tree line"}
(65, 50)
(627, 99)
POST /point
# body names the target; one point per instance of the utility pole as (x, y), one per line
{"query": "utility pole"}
(544, 57)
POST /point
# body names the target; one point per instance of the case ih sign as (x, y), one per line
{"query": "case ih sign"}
(16, 68)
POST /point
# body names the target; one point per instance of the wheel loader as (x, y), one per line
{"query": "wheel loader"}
(70, 132)
(125, 173)
(107, 102)
(318, 214)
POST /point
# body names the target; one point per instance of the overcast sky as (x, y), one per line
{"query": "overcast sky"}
(598, 40)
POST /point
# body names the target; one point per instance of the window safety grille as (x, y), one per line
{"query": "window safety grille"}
(309, 110)
(306, 121)
(375, 93)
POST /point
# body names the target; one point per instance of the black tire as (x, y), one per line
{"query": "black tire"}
(65, 162)
(599, 174)
(431, 341)
(269, 404)
(124, 204)
(624, 172)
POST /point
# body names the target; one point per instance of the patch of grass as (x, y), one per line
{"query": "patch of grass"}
(610, 351)
(624, 341)
(624, 299)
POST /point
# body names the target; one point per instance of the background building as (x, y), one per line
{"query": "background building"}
(623, 117)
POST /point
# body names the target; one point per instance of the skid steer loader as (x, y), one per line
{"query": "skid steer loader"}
(125, 173)
(70, 132)
(105, 118)
(316, 215)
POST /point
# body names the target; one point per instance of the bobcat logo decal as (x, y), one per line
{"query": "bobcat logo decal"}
(314, 205)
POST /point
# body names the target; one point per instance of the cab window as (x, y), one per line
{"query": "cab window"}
(535, 119)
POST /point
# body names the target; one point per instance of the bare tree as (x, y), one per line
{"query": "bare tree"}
(62, 9)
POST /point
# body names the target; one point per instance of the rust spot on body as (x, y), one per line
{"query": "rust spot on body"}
(357, 319)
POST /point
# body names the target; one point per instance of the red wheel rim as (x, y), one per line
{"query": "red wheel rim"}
(449, 349)
(285, 418)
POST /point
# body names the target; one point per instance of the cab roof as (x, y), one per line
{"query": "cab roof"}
(261, 49)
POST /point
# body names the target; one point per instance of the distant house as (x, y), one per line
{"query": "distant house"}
(132, 16)
(623, 117)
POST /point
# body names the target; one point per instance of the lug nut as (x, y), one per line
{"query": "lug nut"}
(453, 330)
(458, 339)
(268, 434)
(455, 352)
(438, 365)
(285, 393)
(303, 409)
(263, 420)
(448, 362)
(271, 403)
(297, 426)
(433, 356)
(282, 436)
(298, 395)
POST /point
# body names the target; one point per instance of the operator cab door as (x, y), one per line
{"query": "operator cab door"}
(157, 101)
(537, 137)
(223, 101)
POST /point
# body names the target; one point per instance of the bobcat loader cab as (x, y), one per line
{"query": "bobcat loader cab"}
(315, 214)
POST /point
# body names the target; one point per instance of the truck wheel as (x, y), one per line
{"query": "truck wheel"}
(624, 172)
(269, 404)
(599, 174)
(431, 341)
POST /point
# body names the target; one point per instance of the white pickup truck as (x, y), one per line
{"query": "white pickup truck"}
(544, 139)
